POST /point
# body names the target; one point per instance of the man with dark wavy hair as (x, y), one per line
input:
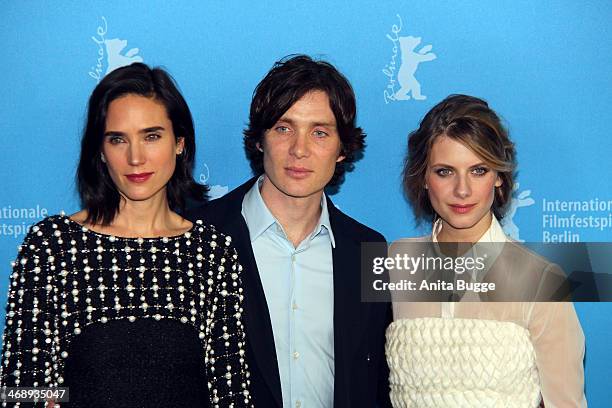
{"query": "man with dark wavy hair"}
(311, 339)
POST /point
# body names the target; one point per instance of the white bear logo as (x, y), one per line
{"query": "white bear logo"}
(410, 63)
(216, 190)
(114, 56)
(523, 199)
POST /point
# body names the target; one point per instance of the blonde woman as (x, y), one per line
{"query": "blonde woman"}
(458, 175)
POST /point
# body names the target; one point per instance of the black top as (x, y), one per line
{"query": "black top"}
(127, 322)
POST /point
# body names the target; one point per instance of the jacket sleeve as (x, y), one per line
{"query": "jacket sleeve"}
(383, 392)
(226, 341)
(28, 352)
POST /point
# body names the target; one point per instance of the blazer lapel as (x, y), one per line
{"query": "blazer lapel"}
(349, 312)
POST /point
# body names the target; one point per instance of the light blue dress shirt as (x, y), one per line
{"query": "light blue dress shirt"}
(299, 288)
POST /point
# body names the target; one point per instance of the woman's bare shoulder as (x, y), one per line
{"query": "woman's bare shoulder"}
(80, 217)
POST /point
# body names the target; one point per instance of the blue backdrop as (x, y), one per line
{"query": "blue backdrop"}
(544, 66)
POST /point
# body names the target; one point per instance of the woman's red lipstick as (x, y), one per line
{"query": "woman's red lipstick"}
(138, 177)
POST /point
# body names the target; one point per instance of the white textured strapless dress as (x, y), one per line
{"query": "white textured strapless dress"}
(453, 362)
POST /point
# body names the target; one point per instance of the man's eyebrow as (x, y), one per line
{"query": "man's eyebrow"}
(292, 122)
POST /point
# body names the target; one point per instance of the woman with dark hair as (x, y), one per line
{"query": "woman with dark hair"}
(126, 303)
(506, 349)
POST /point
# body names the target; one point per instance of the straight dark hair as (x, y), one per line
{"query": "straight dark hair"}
(98, 193)
(289, 79)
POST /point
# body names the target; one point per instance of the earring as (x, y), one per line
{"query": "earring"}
(179, 152)
(102, 157)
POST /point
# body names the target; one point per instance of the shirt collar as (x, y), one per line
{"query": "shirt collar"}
(259, 218)
(495, 233)
(324, 221)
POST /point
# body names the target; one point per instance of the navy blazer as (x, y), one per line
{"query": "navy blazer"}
(361, 371)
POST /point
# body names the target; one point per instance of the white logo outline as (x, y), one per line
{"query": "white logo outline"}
(111, 51)
(410, 59)
(520, 200)
(215, 191)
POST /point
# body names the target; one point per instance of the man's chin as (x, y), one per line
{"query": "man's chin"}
(302, 193)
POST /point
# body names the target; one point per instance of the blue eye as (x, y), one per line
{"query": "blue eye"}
(443, 172)
(480, 171)
(281, 129)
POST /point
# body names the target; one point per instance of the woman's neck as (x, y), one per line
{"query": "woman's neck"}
(147, 219)
(471, 235)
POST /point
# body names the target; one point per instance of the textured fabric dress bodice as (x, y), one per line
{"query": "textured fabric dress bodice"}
(127, 322)
(439, 362)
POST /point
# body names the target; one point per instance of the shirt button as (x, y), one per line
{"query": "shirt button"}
(294, 306)
(292, 258)
(296, 355)
(298, 404)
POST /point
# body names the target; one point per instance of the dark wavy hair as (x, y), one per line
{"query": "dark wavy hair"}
(468, 120)
(289, 79)
(99, 195)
